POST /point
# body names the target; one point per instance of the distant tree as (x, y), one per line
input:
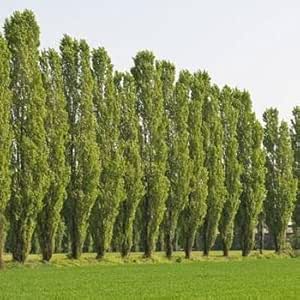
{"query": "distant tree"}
(280, 183)
(5, 138)
(111, 182)
(56, 126)
(252, 159)
(194, 212)
(30, 153)
(82, 149)
(213, 147)
(178, 172)
(295, 137)
(153, 145)
(133, 173)
(232, 168)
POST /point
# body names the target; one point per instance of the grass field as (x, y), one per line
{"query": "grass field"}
(256, 277)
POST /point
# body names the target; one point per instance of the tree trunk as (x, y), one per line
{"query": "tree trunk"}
(245, 251)
(205, 245)
(147, 249)
(46, 241)
(124, 250)
(261, 237)
(147, 246)
(188, 247)
(175, 242)
(246, 243)
(76, 246)
(47, 250)
(168, 245)
(225, 249)
(19, 253)
(280, 241)
(75, 250)
(21, 246)
(276, 244)
(100, 251)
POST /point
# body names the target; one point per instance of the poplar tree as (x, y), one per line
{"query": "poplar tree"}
(232, 167)
(194, 212)
(82, 149)
(280, 183)
(153, 145)
(177, 107)
(5, 138)
(213, 147)
(287, 186)
(295, 137)
(271, 138)
(133, 173)
(252, 159)
(29, 162)
(111, 183)
(56, 126)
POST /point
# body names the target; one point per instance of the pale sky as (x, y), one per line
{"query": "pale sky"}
(253, 45)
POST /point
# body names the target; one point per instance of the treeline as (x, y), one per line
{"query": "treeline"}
(95, 159)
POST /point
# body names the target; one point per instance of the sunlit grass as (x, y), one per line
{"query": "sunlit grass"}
(62, 260)
(267, 276)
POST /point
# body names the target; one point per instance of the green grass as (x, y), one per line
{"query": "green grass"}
(256, 277)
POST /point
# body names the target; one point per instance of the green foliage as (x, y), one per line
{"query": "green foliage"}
(111, 183)
(194, 211)
(5, 138)
(287, 185)
(56, 126)
(30, 153)
(252, 159)
(82, 149)
(133, 173)
(271, 139)
(153, 144)
(178, 171)
(232, 166)
(140, 160)
(213, 147)
(280, 183)
(295, 137)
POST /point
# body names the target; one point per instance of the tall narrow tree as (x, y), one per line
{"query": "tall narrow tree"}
(178, 160)
(30, 170)
(213, 147)
(295, 136)
(154, 149)
(287, 186)
(280, 183)
(111, 183)
(232, 168)
(56, 135)
(271, 138)
(252, 159)
(82, 149)
(5, 138)
(193, 214)
(133, 173)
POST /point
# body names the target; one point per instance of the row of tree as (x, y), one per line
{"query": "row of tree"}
(136, 156)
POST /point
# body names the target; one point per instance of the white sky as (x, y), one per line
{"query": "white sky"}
(254, 45)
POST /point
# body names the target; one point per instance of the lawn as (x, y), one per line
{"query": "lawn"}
(256, 277)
